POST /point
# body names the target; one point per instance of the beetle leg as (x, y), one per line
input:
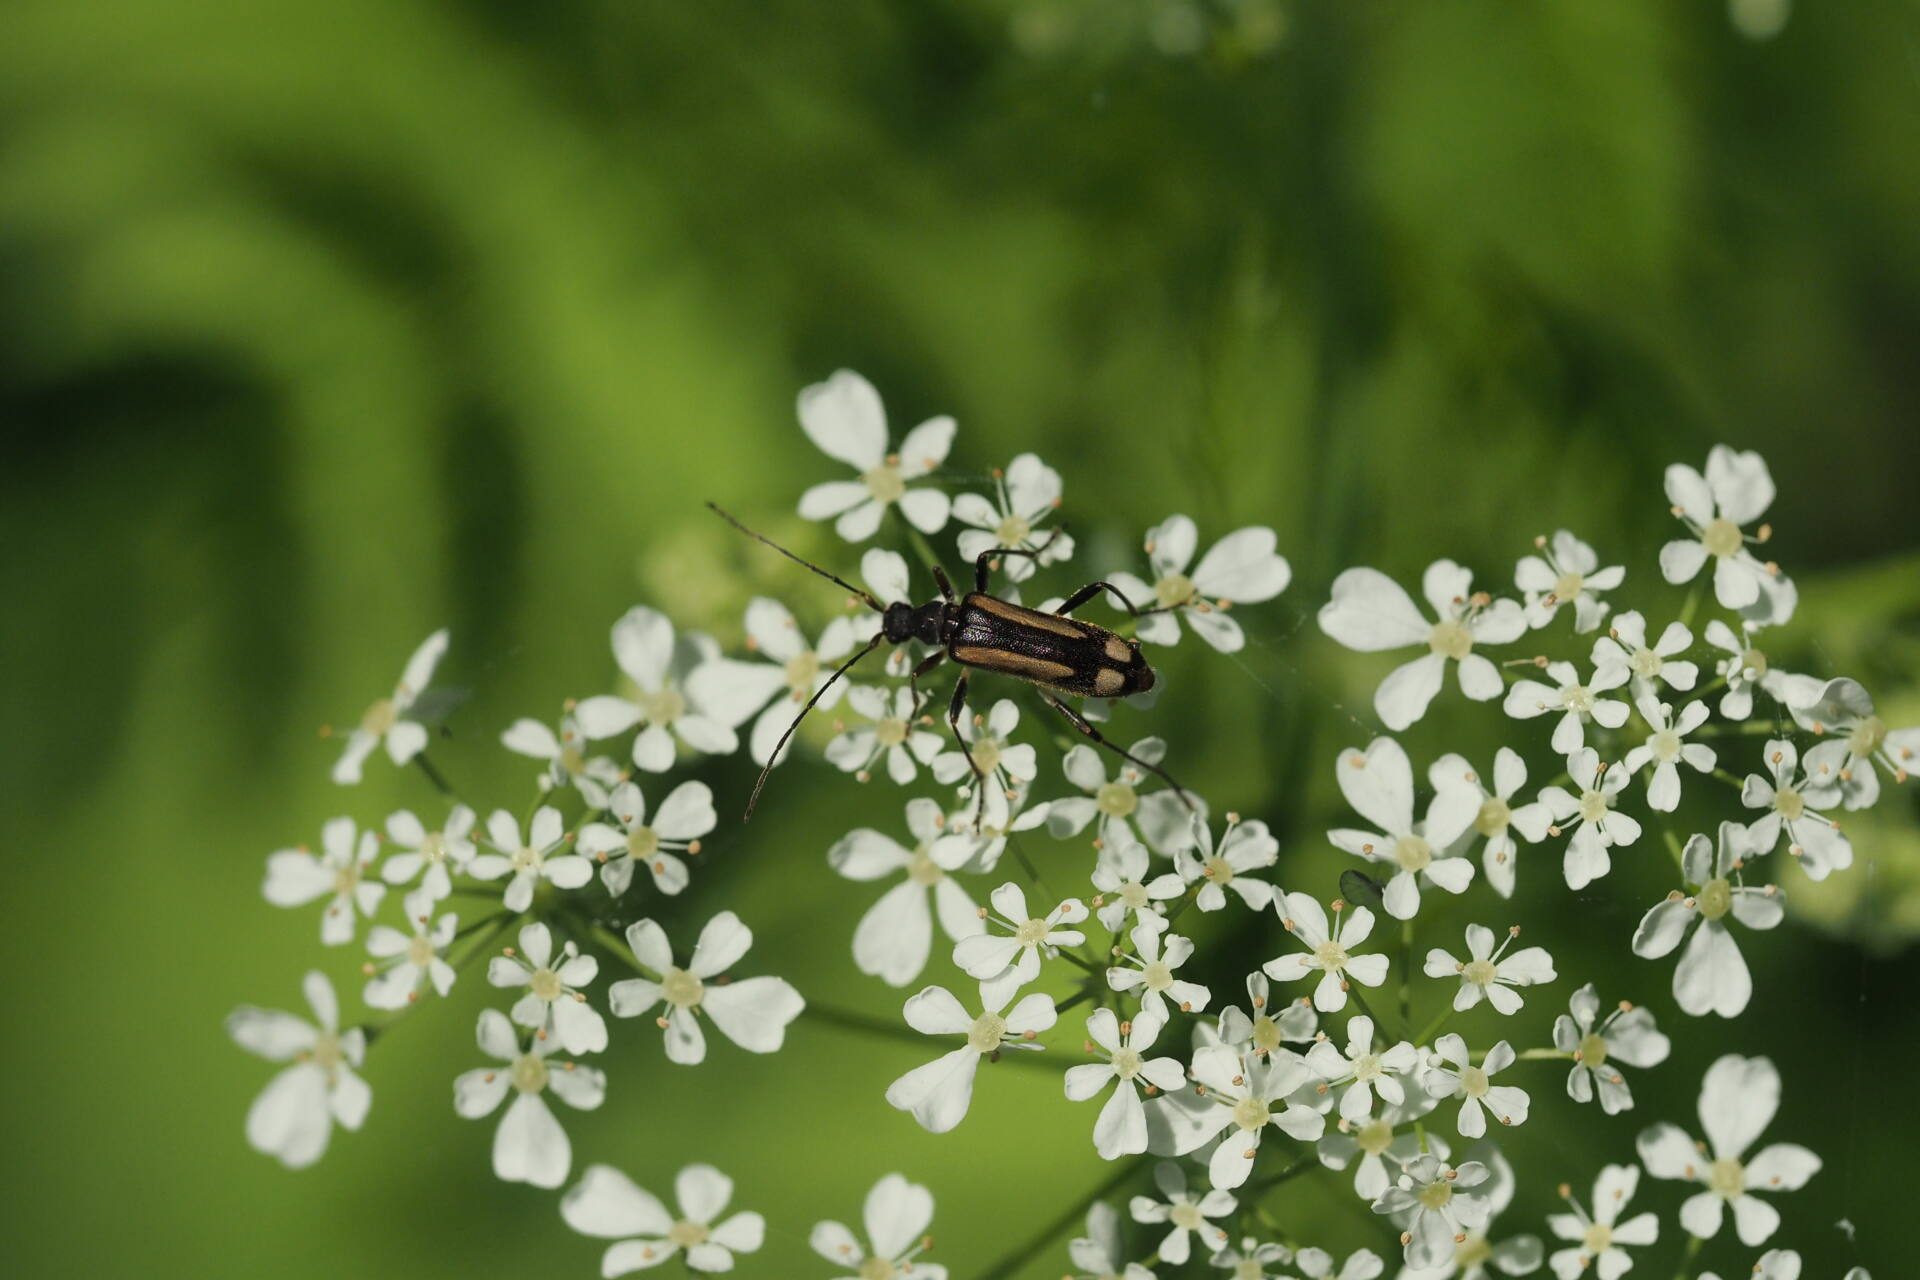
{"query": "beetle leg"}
(931, 661)
(946, 586)
(1093, 589)
(982, 563)
(1081, 723)
(954, 708)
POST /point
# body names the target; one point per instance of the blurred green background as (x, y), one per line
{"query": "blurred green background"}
(325, 325)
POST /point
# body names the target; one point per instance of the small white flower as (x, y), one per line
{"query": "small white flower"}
(607, 1204)
(1498, 817)
(751, 1012)
(441, 854)
(296, 877)
(387, 719)
(1251, 1093)
(896, 1215)
(1370, 612)
(1007, 767)
(1378, 783)
(1666, 748)
(1434, 1203)
(1026, 493)
(529, 1146)
(1251, 1260)
(1120, 873)
(1164, 822)
(1317, 1264)
(1625, 645)
(1101, 1254)
(1363, 1071)
(892, 734)
(1576, 703)
(1157, 956)
(630, 840)
(1597, 825)
(678, 691)
(1746, 667)
(1004, 962)
(1735, 491)
(1121, 1128)
(895, 936)
(1627, 1035)
(1599, 1236)
(1490, 975)
(844, 418)
(1186, 1214)
(1567, 570)
(1243, 847)
(294, 1115)
(939, 1092)
(1711, 976)
(1266, 1028)
(407, 961)
(1476, 1256)
(1781, 1264)
(787, 666)
(1382, 1144)
(564, 750)
(1329, 951)
(553, 1000)
(1241, 568)
(1845, 709)
(1738, 1099)
(1797, 805)
(1462, 1079)
(538, 857)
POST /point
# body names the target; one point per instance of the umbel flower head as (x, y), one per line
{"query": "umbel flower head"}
(1712, 976)
(340, 873)
(388, 720)
(1378, 783)
(1025, 494)
(844, 418)
(939, 1093)
(895, 936)
(1599, 1239)
(1736, 491)
(553, 1001)
(294, 1115)
(1597, 1046)
(1241, 568)
(607, 1203)
(529, 1145)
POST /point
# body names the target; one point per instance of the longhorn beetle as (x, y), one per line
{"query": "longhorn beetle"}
(980, 631)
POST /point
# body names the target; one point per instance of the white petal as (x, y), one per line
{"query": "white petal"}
(607, 1203)
(530, 1146)
(754, 1012)
(845, 420)
(939, 1092)
(1403, 697)
(290, 1120)
(722, 943)
(1243, 567)
(1370, 612)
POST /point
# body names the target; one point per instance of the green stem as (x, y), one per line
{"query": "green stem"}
(1428, 1032)
(1542, 1055)
(1686, 1259)
(868, 1024)
(1753, 728)
(1011, 1262)
(1692, 604)
(1294, 1170)
(438, 779)
(1674, 847)
(915, 539)
(1406, 973)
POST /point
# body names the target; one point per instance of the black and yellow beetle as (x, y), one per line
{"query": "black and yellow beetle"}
(981, 632)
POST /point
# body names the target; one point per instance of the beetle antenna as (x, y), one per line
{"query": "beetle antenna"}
(774, 756)
(871, 603)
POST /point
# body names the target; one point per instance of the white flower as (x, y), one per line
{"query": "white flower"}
(1251, 1260)
(1370, 612)
(1597, 825)
(1251, 1093)
(1241, 568)
(1378, 783)
(1158, 956)
(844, 418)
(1025, 495)
(1490, 975)
(1735, 491)
(1625, 646)
(1164, 822)
(1666, 746)
(1747, 666)
(1782, 1264)
(1575, 702)
(1391, 1138)
(1599, 1236)
(536, 858)
(787, 666)
(1327, 950)
(1565, 570)
(685, 816)
(1361, 1264)
(409, 960)
(1434, 1204)
(679, 691)
(892, 735)
(1122, 1125)
(1187, 1214)
(1120, 874)
(564, 750)
(1796, 806)
(1266, 1029)
(896, 1215)
(939, 1092)
(440, 853)
(1464, 1080)
(1844, 708)
(296, 877)
(1244, 847)
(529, 1146)
(1498, 817)
(751, 1012)
(1737, 1100)
(1004, 962)
(294, 1115)
(606, 1203)
(894, 937)
(1007, 767)
(1363, 1071)
(387, 720)
(1711, 975)
(1475, 1255)
(1627, 1035)
(553, 999)
(1100, 1254)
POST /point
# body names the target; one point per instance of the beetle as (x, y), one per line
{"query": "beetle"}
(978, 631)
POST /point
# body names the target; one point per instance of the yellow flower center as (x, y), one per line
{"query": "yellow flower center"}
(572, 761)
(1726, 1178)
(379, 717)
(1716, 899)
(527, 857)
(420, 951)
(1374, 1137)
(529, 1073)
(1665, 745)
(682, 989)
(1250, 1113)
(803, 669)
(1266, 1034)
(1450, 639)
(922, 869)
(1474, 1251)
(885, 483)
(1568, 585)
(545, 984)
(434, 847)
(890, 732)
(1126, 1064)
(877, 1269)
(988, 1030)
(1598, 1238)
(346, 879)
(1789, 803)
(642, 843)
(1721, 537)
(663, 707)
(1436, 1195)
(1031, 933)
(1645, 662)
(1593, 805)
(1158, 977)
(1412, 853)
(1133, 895)
(1219, 870)
(326, 1052)
(687, 1234)
(1754, 663)
(1593, 1051)
(1867, 736)
(1479, 972)
(1367, 1067)
(1578, 698)
(1115, 799)
(1188, 1217)
(1013, 531)
(986, 754)
(1174, 590)
(1330, 955)
(1493, 817)
(1473, 1082)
